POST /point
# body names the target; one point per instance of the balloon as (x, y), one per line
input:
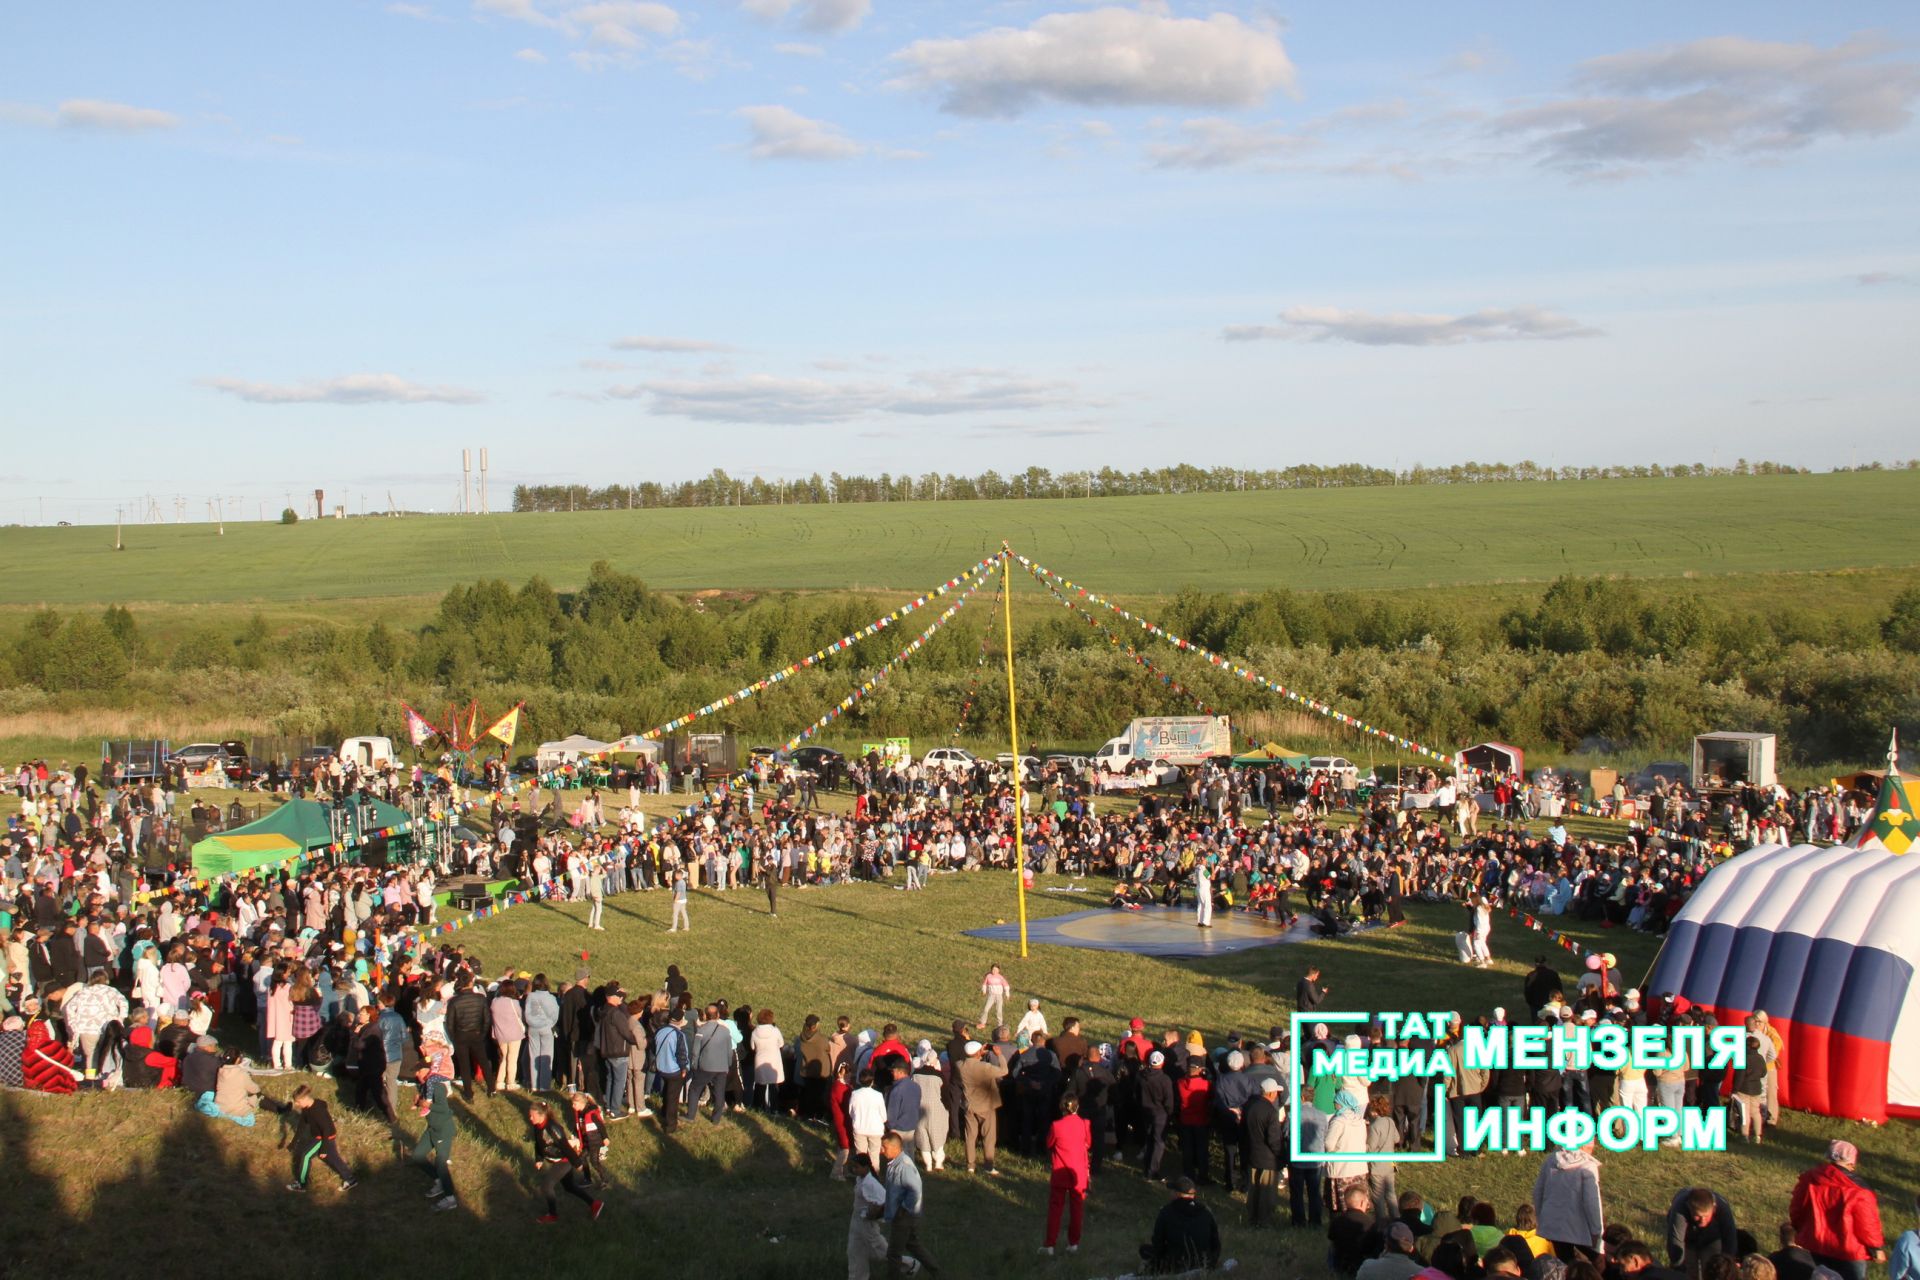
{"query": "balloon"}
(1593, 962)
(1609, 961)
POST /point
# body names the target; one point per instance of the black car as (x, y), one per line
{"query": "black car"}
(819, 760)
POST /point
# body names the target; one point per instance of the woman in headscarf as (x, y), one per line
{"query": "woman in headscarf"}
(930, 1136)
(1347, 1132)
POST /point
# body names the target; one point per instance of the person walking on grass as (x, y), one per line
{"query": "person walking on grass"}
(906, 1255)
(1070, 1144)
(557, 1157)
(680, 920)
(996, 989)
(866, 1245)
(313, 1135)
(435, 1148)
(1835, 1218)
(596, 893)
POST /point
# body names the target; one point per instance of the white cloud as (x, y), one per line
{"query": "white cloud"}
(799, 50)
(830, 17)
(781, 133)
(1102, 57)
(531, 55)
(1722, 96)
(766, 398)
(666, 346)
(1216, 143)
(352, 388)
(612, 31)
(90, 113)
(1413, 329)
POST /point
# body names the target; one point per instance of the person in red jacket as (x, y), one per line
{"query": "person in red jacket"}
(837, 1096)
(1835, 1218)
(1196, 1119)
(1070, 1141)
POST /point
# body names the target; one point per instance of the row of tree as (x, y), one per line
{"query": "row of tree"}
(1587, 664)
(722, 490)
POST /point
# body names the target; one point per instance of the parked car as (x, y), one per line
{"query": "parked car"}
(195, 756)
(1029, 766)
(950, 758)
(1339, 768)
(820, 760)
(239, 763)
(1075, 766)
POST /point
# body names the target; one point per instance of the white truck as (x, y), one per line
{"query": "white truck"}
(368, 753)
(1162, 744)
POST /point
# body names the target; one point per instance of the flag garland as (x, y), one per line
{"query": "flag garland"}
(787, 672)
(979, 667)
(872, 682)
(1041, 573)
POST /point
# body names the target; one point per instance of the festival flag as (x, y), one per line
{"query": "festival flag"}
(1893, 827)
(419, 732)
(473, 722)
(507, 725)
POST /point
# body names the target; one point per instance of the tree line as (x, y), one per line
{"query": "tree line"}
(1602, 666)
(718, 489)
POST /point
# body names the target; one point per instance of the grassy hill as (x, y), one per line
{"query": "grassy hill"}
(1346, 539)
(749, 1197)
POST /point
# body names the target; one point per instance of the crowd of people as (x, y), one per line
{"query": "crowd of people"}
(120, 973)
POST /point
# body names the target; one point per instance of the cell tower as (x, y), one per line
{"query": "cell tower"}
(466, 481)
(483, 479)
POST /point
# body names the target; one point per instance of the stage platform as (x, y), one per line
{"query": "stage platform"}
(1162, 932)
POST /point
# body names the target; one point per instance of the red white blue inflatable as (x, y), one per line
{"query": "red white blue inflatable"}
(1827, 941)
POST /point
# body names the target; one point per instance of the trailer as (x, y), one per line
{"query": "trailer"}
(706, 756)
(1723, 761)
(135, 759)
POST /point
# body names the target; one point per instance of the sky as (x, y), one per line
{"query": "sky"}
(257, 249)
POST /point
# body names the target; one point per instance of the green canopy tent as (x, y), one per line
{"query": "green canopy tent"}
(1273, 753)
(294, 830)
(231, 853)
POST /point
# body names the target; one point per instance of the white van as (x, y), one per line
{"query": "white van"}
(367, 753)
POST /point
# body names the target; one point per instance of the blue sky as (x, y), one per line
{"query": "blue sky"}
(256, 249)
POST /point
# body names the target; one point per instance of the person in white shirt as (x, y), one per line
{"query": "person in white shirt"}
(1031, 1021)
(866, 1244)
(867, 1112)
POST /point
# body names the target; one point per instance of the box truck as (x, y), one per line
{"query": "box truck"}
(1168, 742)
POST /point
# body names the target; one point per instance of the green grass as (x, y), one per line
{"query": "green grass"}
(95, 1184)
(1348, 539)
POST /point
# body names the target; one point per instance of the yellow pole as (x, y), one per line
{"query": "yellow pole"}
(1013, 732)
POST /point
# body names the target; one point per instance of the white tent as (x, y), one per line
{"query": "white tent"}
(634, 744)
(568, 750)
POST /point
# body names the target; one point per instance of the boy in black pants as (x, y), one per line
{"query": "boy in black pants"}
(557, 1156)
(313, 1135)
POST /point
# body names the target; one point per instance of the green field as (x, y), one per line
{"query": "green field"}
(749, 1198)
(1330, 539)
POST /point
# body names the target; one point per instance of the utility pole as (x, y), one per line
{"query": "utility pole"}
(118, 512)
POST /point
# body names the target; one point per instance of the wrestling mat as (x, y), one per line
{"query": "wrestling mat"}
(1162, 932)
